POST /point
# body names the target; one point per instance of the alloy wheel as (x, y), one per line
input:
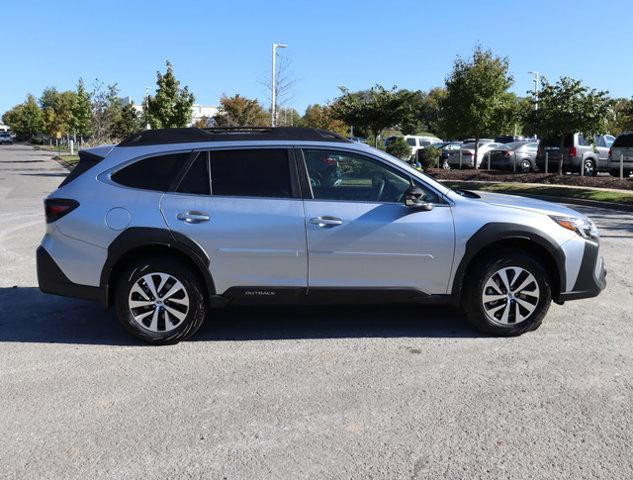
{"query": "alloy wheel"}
(158, 302)
(510, 296)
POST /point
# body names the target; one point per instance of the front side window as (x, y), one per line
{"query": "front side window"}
(251, 173)
(152, 173)
(345, 176)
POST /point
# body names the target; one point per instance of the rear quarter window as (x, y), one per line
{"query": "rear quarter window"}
(152, 173)
(624, 141)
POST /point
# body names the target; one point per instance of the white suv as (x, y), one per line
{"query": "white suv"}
(170, 223)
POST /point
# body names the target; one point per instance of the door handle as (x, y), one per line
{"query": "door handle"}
(193, 216)
(326, 221)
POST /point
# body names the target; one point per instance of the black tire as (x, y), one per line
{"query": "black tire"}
(589, 165)
(526, 166)
(181, 329)
(614, 173)
(483, 270)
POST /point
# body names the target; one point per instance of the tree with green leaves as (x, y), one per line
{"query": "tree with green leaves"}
(25, 119)
(106, 110)
(318, 116)
(126, 121)
(239, 111)
(171, 106)
(375, 109)
(620, 118)
(477, 102)
(568, 107)
(82, 112)
(398, 147)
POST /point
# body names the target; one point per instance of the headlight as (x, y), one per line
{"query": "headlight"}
(583, 227)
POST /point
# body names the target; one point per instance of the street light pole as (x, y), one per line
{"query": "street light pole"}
(273, 107)
(537, 77)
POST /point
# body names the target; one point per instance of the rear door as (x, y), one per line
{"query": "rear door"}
(361, 235)
(602, 152)
(243, 207)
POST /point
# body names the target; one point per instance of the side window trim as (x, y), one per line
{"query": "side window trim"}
(183, 173)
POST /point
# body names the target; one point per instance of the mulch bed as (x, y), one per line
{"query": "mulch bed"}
(544, 178)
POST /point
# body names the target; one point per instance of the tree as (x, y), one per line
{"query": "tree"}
(285, 83)
(25, 119)
(106, 110)
(375, 109)
(317, 116)
(82, 111)
(171, 106)
(477, 102)
(126, 122)
(59, 108)
(238, 111)
(567, 107)
(287, 117)
(398, 147)
(621, 117)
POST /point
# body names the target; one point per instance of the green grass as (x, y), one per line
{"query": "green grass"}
(546, 191)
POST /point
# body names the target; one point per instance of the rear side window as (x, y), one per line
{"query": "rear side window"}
(624, 141)
(153, 173)
(196, 181)
(411, 141)
(251, 173)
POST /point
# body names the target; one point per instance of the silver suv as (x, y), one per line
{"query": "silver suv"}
(578, 150)
(169, 223)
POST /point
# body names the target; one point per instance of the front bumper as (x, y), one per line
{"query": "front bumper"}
(592, 277)
(51, 279)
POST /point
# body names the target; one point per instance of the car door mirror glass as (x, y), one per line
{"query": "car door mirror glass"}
(415, 197)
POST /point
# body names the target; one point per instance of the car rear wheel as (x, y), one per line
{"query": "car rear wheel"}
(507, 294)
(160, 301)
(525, 166)
(590, 168)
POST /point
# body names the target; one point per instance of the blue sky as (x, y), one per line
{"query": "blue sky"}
(224, 47)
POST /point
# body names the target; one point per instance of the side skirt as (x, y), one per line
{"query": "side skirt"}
(324, 296)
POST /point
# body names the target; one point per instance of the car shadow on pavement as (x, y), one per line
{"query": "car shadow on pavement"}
(33, 317)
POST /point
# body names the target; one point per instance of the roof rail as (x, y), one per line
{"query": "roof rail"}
(217, 134)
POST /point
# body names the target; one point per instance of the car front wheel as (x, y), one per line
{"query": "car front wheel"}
(507, 294)
(160, 301)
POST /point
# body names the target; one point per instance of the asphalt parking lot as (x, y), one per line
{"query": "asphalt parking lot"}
(287, 393)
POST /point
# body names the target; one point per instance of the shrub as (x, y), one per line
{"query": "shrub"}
(429, 157)
(398, 148)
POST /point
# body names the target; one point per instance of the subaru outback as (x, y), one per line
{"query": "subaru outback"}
(170, 223)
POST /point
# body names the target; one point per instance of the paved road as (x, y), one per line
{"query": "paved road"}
(319, 393)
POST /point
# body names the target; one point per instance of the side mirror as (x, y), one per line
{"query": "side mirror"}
(415, 197)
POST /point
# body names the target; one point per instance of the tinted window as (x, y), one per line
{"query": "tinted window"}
(345, 176)
(251, 173)
(608, 140)
(153, 173)
(411, 141)
(196, 180)
(624, 141)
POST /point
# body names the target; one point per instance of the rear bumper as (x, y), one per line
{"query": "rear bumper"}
(592, 277)
(52, 280)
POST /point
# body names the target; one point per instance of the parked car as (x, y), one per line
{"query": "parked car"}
(169, 223)
(481, 140)
(519, 156)
(6, 138)
(621, 150)
(358, 139)
(468, 154)
(578, 151)
(416, 142)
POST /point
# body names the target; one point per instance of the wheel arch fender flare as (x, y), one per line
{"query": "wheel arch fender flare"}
(510, 234)
(138, 238)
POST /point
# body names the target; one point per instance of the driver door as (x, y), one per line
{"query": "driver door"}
(361, 235)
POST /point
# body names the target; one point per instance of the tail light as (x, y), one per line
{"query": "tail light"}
(56, 208)
(467, 153)
(572, 151)
(609, 153)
